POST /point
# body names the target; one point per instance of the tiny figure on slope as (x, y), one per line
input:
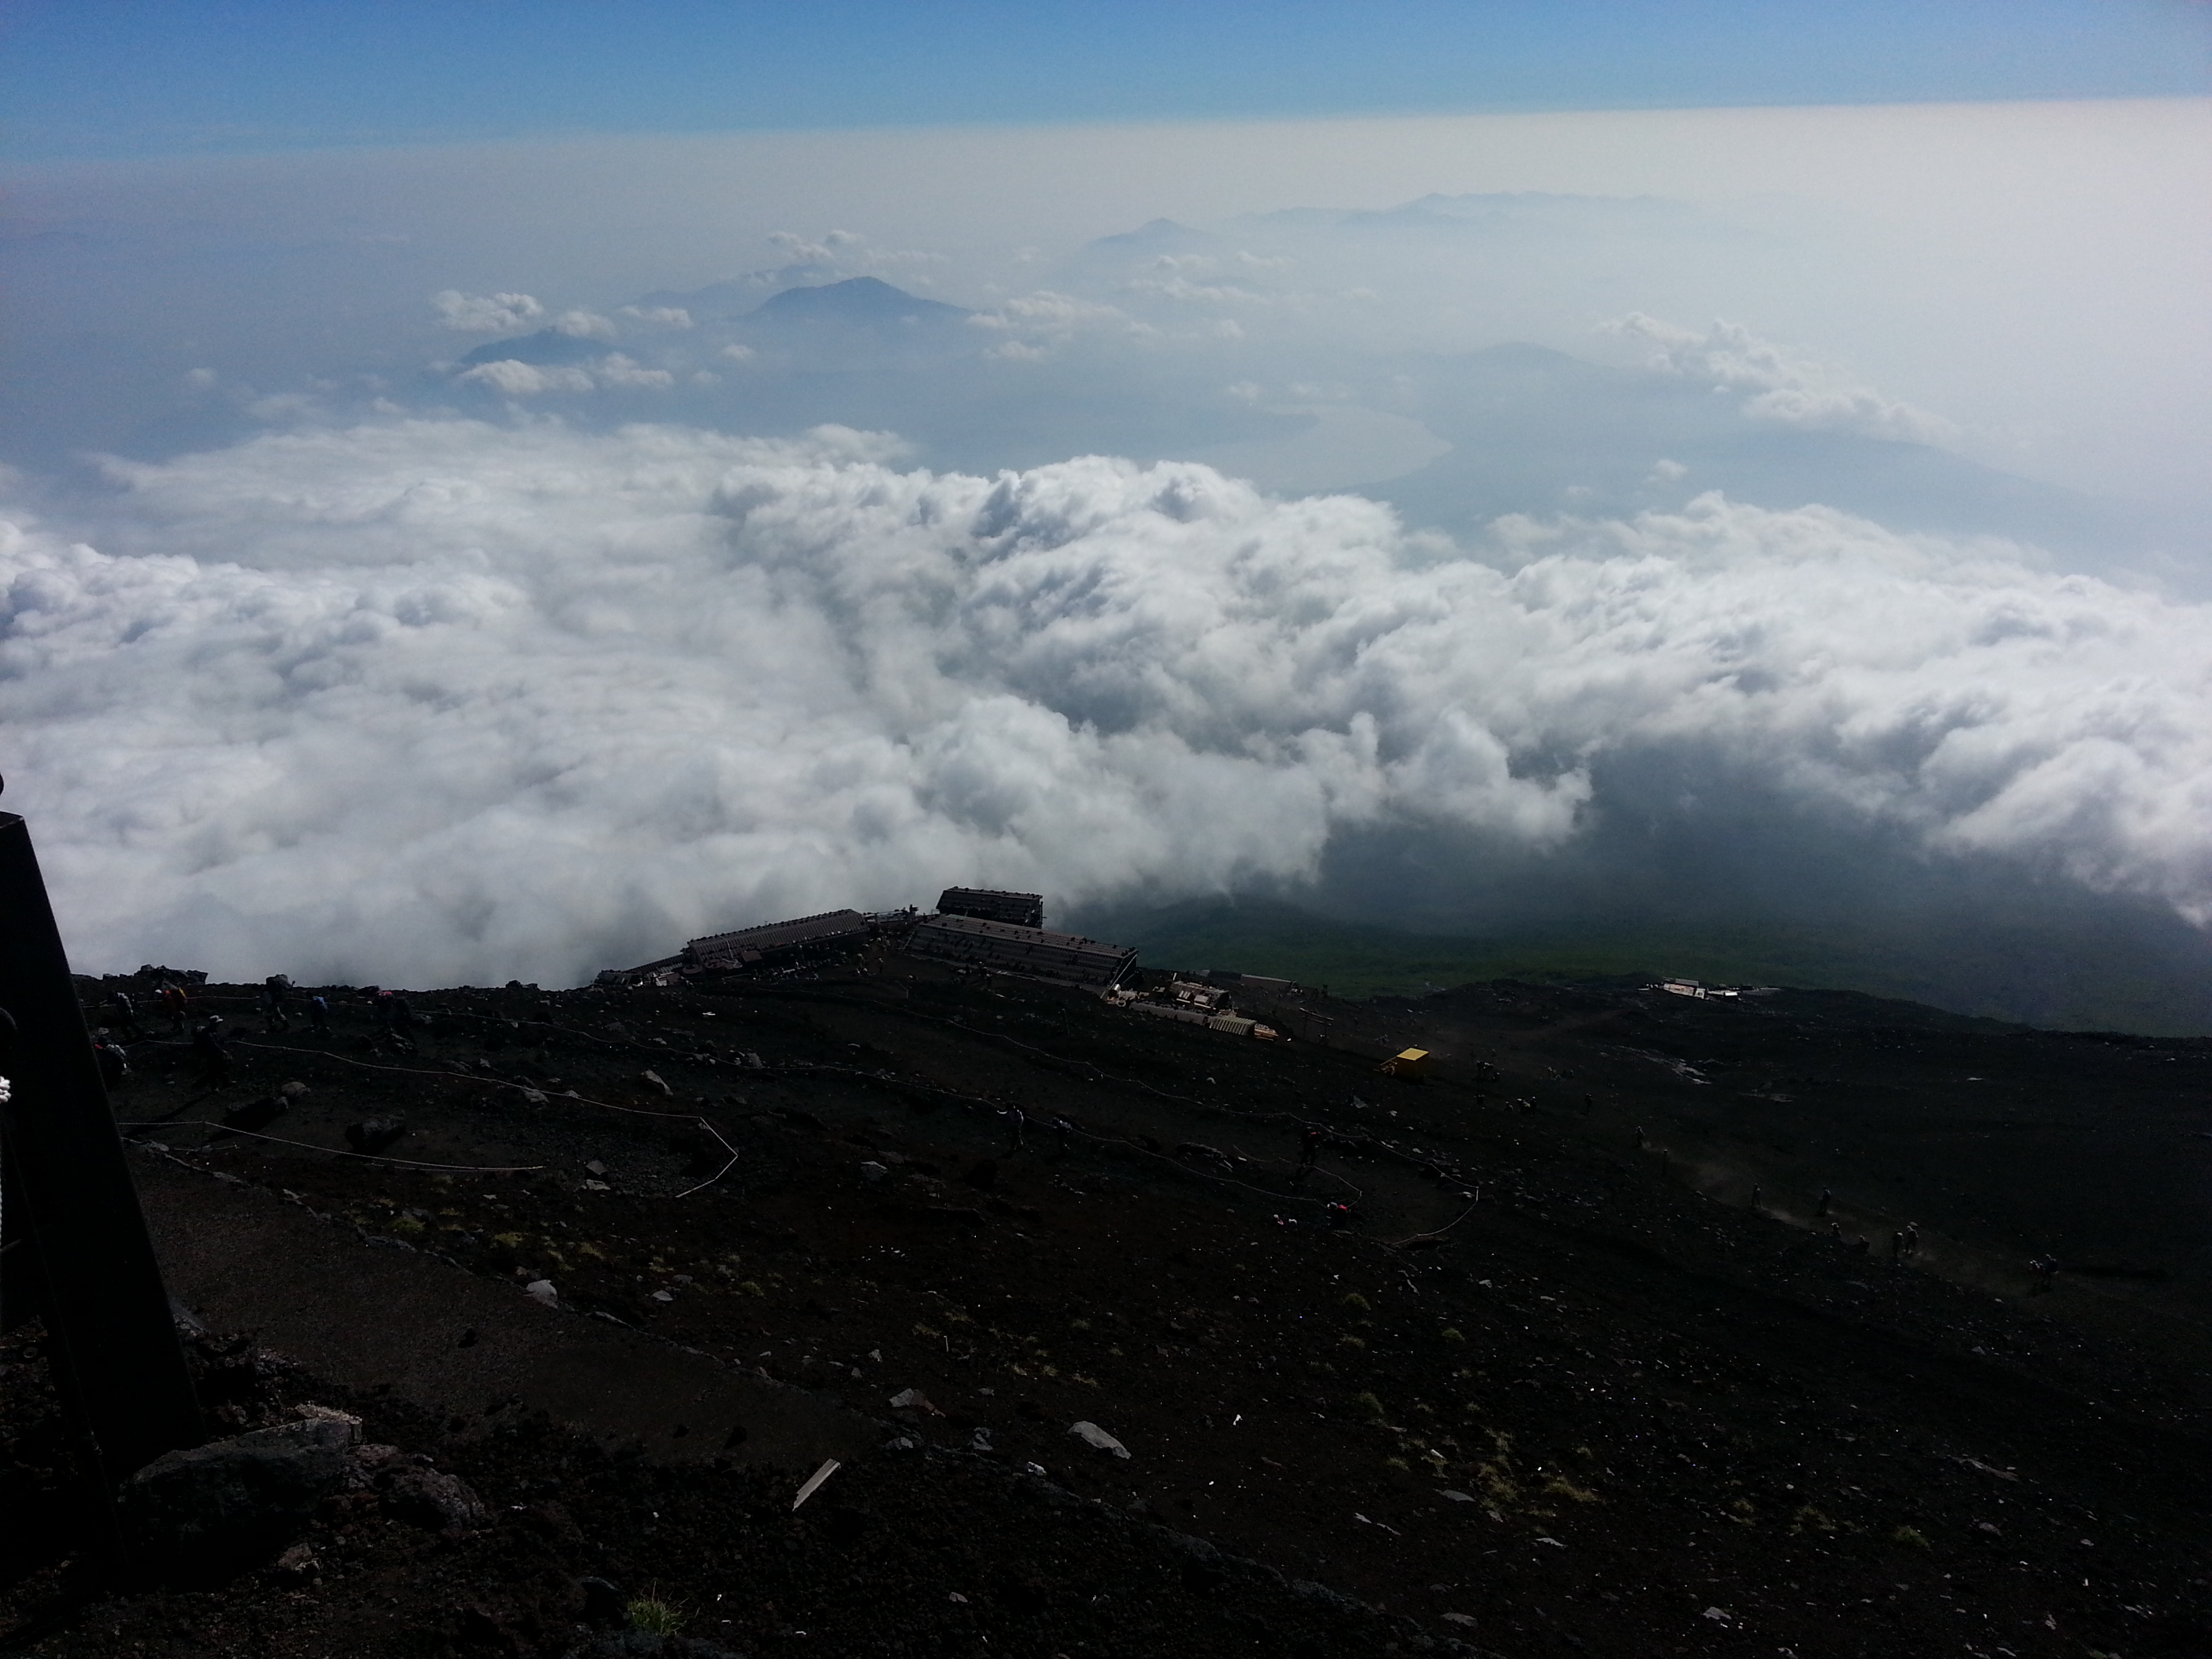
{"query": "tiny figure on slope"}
(114, 1063)
(210, 1049)
(123, 1014)
(276, 1003)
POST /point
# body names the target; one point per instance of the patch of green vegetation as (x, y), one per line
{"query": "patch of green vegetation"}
(660, 1618)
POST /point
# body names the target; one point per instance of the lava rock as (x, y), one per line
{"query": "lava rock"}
(432, 1498)
(604, 1604)
(372, 1135)
(1091, 1435)
(222, 1507)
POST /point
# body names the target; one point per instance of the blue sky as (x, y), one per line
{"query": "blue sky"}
(99, 78)
(1814, 290)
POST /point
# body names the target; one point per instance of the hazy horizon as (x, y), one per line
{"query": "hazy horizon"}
(506, 557)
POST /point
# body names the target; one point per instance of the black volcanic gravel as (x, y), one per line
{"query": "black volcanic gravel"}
(1606, 1408)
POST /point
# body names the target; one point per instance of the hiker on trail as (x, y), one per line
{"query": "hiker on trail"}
(1756, 1192)
(1911, 1238)
(1309, 1148)
(1338, 1215)
(177, 1006)
(125, 1014)
(1897, 1245)
(1017, 1120)
(1639, 1138)
(208, 1045)
(114, 1064)
(1065, 1130)
(2045, 1269)
(1861, 1245)
(1828, 1197)
(318, 1015)
(1836, 1230)
(276, 994)
(380, 1008)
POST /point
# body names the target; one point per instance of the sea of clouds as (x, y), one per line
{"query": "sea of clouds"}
(439, 700)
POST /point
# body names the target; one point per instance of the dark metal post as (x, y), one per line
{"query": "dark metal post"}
(117, 1361)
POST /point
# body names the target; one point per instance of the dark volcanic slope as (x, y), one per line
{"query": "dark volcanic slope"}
(1606, 1407)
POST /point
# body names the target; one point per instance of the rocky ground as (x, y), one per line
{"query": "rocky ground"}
(1589, 1371)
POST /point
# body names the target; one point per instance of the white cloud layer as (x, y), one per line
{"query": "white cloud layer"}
(513, 378)
(1785, 387)
(486, 313)
(442, 700)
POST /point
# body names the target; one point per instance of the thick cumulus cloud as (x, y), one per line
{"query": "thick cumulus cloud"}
(1784, 387)
(434, 700)
(486, 313)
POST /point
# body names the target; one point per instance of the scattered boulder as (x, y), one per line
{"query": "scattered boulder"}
(431, 1498)
(256, 1114)
(412, 1489)
(603, 1603)
(220, 1507)
(1091, 1435)
(374, 1135)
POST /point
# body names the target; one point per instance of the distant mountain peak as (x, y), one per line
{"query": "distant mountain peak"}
(858, 299)
(1157, 236)
(547, 346)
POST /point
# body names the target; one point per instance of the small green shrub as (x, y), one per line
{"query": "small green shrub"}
(1911, 1537)
(650, 1614)
(1452, 1333)
(1354, 1300)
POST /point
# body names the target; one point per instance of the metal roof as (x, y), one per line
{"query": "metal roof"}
(1021, 950)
